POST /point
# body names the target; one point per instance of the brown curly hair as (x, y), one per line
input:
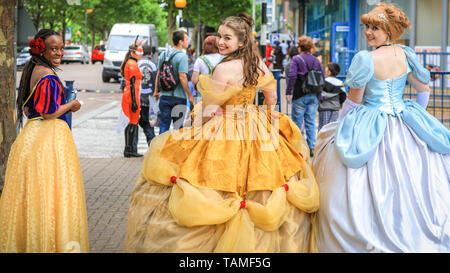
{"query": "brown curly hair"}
(305, 44)
(242, 27)
(396, 24)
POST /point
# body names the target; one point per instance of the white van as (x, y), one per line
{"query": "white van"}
(120, 38)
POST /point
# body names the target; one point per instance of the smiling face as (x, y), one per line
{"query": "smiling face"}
(227, 41)
(54, 49)
(375, 35)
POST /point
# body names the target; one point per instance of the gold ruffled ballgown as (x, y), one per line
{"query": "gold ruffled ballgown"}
(233, 184)
(42, 207)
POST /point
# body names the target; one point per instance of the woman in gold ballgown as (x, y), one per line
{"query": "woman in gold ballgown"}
(238, 180)
(42, 207)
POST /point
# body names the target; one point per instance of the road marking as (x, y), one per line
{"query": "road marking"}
(94, 113)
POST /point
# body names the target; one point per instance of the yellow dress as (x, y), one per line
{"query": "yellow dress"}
(42, 207)
(240, 182)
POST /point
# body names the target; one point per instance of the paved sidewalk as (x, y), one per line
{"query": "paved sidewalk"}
(108, 183)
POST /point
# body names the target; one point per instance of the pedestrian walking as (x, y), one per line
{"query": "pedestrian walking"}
(278, 56)
(204, 65)
(332, 97)
(131, 106)
(147, 101)
(201, 193)
(383, 170)
(181, 94)
(269, 58)
(42, 207)
(293, 51)
(304, 102)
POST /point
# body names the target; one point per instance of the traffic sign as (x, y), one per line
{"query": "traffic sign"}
(274, 37)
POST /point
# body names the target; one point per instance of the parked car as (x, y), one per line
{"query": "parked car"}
(23, 57)
(76, 53)
(98, 54)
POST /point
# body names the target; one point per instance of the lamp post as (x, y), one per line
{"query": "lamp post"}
(180, 4)
(85, 25)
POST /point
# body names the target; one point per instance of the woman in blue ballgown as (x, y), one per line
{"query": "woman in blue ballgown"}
(383, 168)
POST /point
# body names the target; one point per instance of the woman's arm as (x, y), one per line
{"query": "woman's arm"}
(423, 90)
(356, 95)
(194, 78)
(72, 106)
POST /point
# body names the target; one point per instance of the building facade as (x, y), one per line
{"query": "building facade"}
(336, 27)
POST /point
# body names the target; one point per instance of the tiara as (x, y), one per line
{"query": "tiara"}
(382, 16)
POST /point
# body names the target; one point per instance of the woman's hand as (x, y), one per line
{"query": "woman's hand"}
(288, 99)
(75, 106)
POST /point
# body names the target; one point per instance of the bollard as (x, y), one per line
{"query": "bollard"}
(277, 75)
(71, 94)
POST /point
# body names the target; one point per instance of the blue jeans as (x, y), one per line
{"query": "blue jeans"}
(305, 108)
(166, 106)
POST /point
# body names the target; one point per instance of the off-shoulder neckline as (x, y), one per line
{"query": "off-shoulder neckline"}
(260, 79)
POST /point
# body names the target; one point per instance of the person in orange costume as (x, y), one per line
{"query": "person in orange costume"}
(130, 99)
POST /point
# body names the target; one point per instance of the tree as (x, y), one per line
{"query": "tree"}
(204, 13)
(7, 83)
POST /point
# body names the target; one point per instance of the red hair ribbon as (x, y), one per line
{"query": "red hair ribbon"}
(37, 46)
(286, 187)
(242, 204)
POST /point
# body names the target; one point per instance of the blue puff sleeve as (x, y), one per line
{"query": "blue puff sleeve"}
(419, 71)
(361, 70)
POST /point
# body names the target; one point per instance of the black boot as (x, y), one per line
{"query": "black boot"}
(128, 141)
(134, 137)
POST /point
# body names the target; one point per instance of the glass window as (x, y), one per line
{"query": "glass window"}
(121, 43)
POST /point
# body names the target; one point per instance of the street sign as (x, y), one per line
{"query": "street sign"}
(342, 28)
(274, 37)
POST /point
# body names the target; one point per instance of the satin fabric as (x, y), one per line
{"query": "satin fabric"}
(382, 98)
(248, 193)
(131, 70)
(399, 201)
(42, 207)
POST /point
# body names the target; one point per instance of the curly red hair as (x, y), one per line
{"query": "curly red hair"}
(397, 21)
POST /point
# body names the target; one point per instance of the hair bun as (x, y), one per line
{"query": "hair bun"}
(246, 18)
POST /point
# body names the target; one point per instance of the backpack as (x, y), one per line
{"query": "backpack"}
(167, 80)
(311, 83)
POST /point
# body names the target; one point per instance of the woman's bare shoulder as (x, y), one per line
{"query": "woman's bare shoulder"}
(40, 71)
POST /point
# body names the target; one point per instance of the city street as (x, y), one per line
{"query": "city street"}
(108, 177)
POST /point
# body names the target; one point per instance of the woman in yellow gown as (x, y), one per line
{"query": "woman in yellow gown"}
(238, 180)
(42, 207)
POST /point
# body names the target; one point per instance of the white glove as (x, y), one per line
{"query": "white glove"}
(422, 99)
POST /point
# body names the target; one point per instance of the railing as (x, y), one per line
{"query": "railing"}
(439, 103)
(432, 60)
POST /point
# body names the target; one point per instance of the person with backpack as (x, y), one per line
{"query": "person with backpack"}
(332, 97)
(172, 86)
(306, 79)
(205, 64)
(148, 70)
